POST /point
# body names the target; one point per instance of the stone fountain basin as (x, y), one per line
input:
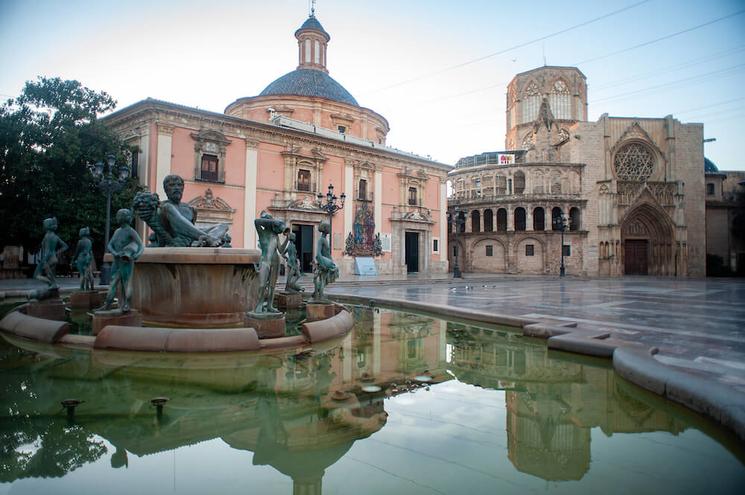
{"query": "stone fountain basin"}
(194, 287)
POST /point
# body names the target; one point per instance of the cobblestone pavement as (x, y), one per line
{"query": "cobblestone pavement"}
(698, 325)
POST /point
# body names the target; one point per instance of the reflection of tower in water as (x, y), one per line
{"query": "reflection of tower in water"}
(552, 403)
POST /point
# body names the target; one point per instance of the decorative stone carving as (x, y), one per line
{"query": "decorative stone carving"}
(627, 192)
(634, 162)
(211, 209)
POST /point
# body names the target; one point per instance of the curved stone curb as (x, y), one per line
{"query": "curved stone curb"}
(177, 340)
(632, 360)
(158, 339)
(704, 396)
(30, 327)
(336, 326)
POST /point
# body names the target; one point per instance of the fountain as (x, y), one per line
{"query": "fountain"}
(188, 291)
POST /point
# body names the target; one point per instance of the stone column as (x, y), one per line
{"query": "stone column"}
(349, 207)
(510, 218)
(528, 217)
(443, 204)
(378, 204)
(249, 195)
(163, 157)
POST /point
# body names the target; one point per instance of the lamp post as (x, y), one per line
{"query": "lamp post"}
(457, 221)
(110, 178)
(331, 206)
(561, 223)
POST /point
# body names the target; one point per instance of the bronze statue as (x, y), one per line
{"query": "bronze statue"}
(293, 267)
(172, 221)
(125, 246)
(325, 271)
(51, 247)
(83, 259)
(269, 229)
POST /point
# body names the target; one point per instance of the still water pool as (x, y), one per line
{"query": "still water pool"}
(405, 404)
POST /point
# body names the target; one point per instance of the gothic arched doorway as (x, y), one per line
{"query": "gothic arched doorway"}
(648, 242)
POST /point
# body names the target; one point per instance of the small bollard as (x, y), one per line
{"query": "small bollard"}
(159, 402)
(70, 405)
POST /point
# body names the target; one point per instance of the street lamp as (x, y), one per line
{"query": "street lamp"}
(331, 206)
(561, 223)
(458, 221)
(110, 178)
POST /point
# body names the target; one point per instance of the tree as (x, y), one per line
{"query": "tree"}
(48, 136)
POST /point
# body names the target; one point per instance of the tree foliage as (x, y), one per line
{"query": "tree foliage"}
(48, 136)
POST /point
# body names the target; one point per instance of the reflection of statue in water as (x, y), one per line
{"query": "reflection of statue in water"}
(125, 246)
(269, 229)
(51, 247)
(173, 221)
(325, 271)
(83, 259)
(293, 267)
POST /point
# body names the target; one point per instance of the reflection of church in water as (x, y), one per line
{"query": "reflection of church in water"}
(553, 404)
(302, 413)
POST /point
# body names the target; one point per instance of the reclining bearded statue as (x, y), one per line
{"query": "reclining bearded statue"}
(173, 222)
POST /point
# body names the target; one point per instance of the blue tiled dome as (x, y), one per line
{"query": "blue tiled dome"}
(309, 82)
(709, 167)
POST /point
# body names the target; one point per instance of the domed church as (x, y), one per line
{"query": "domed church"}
(280, 151)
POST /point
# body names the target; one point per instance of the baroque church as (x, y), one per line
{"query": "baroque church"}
(626, 195)
(280, 152)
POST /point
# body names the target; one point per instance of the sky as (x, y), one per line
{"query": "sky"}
(436, 70)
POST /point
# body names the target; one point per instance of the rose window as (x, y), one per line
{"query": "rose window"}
(634, 162)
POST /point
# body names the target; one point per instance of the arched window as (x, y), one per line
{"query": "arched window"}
(501, 220)
(556, 218)
(475, 221)
(488, 220)
(519, 182)
(539, 219)
(519, 219)
(575, 220)
(531, 102)
(560, 100)
(634, 162)
(500, 185)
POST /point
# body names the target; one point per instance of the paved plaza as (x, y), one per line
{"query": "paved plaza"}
(698, 325)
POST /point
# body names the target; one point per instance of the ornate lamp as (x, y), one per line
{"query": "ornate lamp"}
(110, 178)
(331, 205)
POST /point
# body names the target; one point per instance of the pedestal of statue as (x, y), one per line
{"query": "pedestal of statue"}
(289, 300)
(87, 299)
(103, 318)
(267, 325)
(47, 309)
(319, 310)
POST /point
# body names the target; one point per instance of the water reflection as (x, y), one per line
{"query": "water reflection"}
(302, 412)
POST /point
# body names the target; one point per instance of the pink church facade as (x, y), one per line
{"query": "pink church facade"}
(277, 151)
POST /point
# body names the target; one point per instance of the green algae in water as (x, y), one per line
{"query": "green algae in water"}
(501, 414)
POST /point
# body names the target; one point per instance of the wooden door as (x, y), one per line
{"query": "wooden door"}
(636, 255)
